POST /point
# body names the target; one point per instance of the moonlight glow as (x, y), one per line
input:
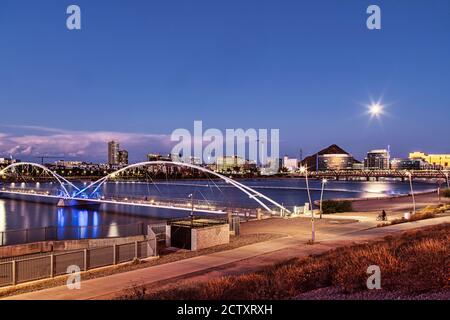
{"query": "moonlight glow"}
(375, 110)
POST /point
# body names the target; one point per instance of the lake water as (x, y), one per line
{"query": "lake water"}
(16, 214)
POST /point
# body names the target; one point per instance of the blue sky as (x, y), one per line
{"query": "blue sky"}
(140, 69)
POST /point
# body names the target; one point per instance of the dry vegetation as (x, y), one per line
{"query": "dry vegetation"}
(426, 213)
(413, 263)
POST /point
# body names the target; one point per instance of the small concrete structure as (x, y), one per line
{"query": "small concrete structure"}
(196, 234)
(202, 238)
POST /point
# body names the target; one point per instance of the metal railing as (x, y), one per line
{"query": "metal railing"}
(51, 265)
(22, 236)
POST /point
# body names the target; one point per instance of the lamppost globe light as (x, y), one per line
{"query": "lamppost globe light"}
(324, 180)
(302, 169)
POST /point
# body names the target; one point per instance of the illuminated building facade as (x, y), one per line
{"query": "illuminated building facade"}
(437, 161)
(338, 161)
(377, 160)
(113, 153)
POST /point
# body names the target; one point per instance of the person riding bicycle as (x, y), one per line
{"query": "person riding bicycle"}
(382, 216)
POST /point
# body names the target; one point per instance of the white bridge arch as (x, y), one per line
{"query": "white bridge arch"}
(61, 180)
(253, 194)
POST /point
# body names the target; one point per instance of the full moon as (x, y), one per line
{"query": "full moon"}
(375, 109)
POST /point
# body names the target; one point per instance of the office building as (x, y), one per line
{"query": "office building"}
(377, 160)
(290, 164)
(406, 164)
(230, 164)
(435, 161)
(123, 157)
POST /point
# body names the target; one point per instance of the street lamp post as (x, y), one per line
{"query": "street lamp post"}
(446, 178)
(303, 169)
(192, 207)
(412, 192)
(321, 196)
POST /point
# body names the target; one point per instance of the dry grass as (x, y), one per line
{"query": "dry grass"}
(411, 263)
(426, 213)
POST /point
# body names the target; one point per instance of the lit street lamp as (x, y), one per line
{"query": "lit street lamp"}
(304, 170)
(412, 191)
(321, 196)
(192, 205)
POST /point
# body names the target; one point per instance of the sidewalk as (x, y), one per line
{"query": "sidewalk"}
(108, 286)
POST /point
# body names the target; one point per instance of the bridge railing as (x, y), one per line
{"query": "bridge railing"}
(22, 236)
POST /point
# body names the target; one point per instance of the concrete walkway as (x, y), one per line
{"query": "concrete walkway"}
(109, 286)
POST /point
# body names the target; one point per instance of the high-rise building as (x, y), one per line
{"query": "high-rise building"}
(123, 157)
(113, 153)
(377, 160)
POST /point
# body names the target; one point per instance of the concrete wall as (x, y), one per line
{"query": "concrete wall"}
(63, 245)
(210, 236)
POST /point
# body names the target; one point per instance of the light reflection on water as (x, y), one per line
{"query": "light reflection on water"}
(290, 192)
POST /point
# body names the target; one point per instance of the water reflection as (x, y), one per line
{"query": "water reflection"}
(16, 214)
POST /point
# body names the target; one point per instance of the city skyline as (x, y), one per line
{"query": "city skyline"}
(94, 146)
(238, 66)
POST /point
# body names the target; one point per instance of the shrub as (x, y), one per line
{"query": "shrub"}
(426, 213)
(446, 193)
(334, 206)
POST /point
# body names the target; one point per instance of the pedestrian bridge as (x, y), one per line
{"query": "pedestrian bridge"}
(68, 194)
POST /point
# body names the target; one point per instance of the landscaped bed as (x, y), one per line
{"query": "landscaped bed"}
(426, 213)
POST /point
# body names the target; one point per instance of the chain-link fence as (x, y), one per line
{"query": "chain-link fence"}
(48, 266)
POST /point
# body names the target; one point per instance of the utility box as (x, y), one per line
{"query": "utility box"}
(199, 233)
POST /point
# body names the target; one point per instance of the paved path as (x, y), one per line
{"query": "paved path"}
(108, 286)
(401, 204)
